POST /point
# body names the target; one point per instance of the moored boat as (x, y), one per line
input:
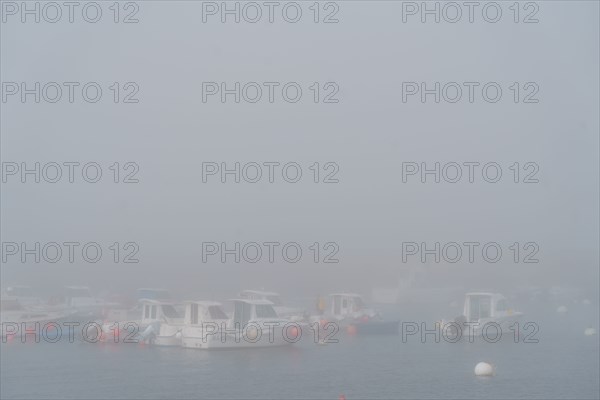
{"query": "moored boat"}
(291, 313)
(153, 321)
(254, 323)
(350, 312)
(482, 309)
(18, 320)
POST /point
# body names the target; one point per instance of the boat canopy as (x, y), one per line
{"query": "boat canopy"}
(273, 297)
(345, 295)
(153, 294)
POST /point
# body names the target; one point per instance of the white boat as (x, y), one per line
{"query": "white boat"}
(349, 311)
(165, 321)
(14, 317)
(154, 321)
(80, 300)
(254, 324)
(294, 314)
(482, 309)
(140, 314)
(202, 319)
(348, 308)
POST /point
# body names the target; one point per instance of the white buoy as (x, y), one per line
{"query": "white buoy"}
(252, 333)
(484, 369)
(562, 310)
(589, 332)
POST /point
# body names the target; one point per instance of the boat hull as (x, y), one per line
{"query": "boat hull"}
(167, 341)
(168, 335)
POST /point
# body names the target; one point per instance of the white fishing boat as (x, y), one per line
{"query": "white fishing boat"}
(482, 309)
(294, 314)
(254, 323)
(145, 298)
(154, 321)
(164, 321)
(202, 323)
(349, 311)
(348, 307)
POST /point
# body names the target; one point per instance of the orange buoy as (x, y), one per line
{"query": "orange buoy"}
(351, 330)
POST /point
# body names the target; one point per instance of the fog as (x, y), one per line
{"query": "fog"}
(368, 209)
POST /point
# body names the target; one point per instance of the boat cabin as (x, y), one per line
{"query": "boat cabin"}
(484, 305)
(161, 311)
(273, 297)
(199, 312)
(245, 311)
(344, 304)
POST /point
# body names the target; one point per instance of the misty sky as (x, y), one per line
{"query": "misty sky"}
(369, 134)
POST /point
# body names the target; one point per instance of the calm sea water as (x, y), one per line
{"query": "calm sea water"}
(564, 364)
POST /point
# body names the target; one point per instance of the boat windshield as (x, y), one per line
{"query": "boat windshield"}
(358, 304)
(265, 311)
(169, 311)
(480, 307)
(241, 314)
(216, 312)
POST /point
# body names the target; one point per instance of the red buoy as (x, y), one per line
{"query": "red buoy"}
(294, 332)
